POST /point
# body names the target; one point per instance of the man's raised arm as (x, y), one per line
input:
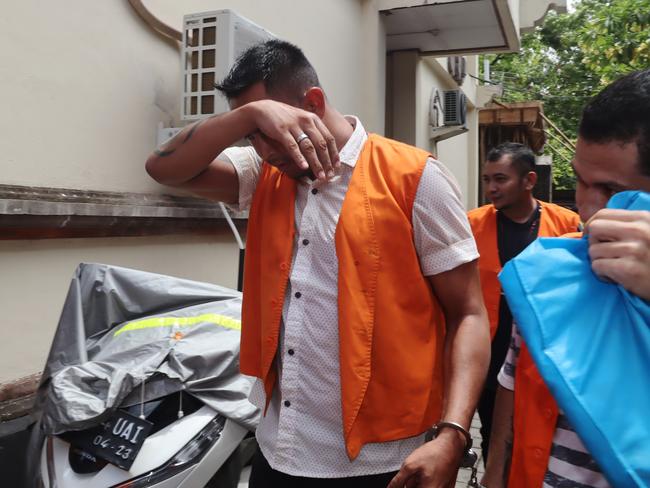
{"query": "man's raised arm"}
(189, 159)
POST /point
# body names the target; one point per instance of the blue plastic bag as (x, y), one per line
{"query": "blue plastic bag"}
(590, 341)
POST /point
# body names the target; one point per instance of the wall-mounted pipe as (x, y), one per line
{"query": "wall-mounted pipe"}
(154, 22)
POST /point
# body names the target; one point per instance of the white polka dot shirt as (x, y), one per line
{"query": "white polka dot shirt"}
(302, 432)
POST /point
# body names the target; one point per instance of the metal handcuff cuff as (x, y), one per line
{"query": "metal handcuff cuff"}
(469, 457)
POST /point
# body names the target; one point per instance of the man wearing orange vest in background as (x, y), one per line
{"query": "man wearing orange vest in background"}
(532, 443)
(362, 314)
(502, 230)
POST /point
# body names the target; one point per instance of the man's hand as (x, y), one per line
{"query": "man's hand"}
(284, 124)
(619, 246)
(433, 465)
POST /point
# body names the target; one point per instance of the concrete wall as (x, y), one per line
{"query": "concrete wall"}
(403, 97)
(84, 86)
(460, 153)
(36, 274)
(412, 80)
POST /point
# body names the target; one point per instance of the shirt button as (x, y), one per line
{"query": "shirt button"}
(314, 191)
(291, 352)
(287, 403)
(305, 242)
(297, 294)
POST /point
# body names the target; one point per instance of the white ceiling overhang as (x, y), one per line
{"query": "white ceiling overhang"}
(449, 27)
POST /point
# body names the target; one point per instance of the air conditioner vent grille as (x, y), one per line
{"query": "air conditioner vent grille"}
(455, 107)
(212, 41)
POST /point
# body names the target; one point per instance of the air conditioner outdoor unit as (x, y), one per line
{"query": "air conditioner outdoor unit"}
(455, 107)
(212, 41)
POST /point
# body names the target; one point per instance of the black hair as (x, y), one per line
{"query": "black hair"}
(521, 156)
(621, 113)
(281, 66)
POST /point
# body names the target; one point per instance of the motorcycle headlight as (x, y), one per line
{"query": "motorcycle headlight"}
(189, 455)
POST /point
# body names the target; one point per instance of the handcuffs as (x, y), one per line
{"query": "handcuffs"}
(469, 457)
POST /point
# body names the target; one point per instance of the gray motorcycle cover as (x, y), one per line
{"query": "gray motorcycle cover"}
(124, 335)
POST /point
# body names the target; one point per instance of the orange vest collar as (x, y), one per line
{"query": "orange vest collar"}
(554, 221)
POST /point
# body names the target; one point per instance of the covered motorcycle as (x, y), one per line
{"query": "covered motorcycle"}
(142, 384)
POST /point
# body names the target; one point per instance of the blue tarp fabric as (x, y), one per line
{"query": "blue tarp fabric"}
(590, 341)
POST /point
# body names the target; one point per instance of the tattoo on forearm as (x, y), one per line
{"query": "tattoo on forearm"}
(167, 152)
(192, 129)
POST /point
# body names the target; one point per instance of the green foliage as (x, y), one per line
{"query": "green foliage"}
(616, 37)
(569, 58)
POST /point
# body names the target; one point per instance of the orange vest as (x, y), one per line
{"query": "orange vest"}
(391, 331)
(534, 421)
(554, 221)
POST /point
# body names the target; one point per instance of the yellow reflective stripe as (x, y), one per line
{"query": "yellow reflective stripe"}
(212, 318)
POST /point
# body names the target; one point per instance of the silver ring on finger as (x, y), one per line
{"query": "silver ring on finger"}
(301, 137)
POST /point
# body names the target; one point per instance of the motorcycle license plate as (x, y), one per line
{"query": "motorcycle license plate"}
(118, 440)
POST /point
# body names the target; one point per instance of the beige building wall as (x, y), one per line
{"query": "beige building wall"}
(36, 275)
(460, 153)
(412, 80)
(84, 86)
(402, 98)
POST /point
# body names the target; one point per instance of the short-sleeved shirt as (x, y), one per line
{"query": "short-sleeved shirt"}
(302, 433)
(570, 464)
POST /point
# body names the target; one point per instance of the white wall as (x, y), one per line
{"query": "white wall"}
(458, 153)
(403, 97)
(36, 275)
(427, 81)
(373, 83)
(412, 80)
(83, 86)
